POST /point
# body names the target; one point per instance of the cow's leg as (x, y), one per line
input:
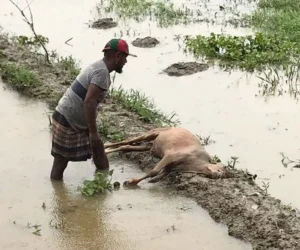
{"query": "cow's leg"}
(159, 176)
(161, 165)
(149, 136)
(129, 148)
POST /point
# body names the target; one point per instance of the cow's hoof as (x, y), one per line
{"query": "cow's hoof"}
(117, 185)
(131, 183)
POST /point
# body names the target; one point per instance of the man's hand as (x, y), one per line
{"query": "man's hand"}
(99, 155)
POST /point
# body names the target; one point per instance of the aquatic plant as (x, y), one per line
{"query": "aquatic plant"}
(163, 11)
(251, 52)
(100, 184)
(279, 81)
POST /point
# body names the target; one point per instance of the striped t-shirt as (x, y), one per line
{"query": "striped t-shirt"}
(71, 104)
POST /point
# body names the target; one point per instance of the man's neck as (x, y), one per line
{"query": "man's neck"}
(109, 64)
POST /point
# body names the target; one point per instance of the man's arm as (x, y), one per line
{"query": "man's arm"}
(93, 97)
(95, 94)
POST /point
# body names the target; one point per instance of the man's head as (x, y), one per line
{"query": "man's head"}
(116, 52)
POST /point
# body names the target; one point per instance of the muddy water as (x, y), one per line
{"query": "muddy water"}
(222, 105)
(144, 218)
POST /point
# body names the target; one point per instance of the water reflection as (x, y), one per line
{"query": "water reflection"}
(79, 221)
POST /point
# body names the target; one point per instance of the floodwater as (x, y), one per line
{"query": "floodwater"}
(144, 218)
(226, 106)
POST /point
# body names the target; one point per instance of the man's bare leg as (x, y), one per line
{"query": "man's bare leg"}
(59, 165)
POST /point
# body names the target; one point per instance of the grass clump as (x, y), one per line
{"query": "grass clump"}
(19, 77)
(100, 184)
(286, 5)
(107, 129)
(246, 52)
(278, 17)
(281, 81)
(68, 64)
(35, 44)
(138, 103)
(163, 12)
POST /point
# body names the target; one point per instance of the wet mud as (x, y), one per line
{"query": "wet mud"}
(146, 42)
(237, 201)
(185, 68)
(248, 211)
(104, 23)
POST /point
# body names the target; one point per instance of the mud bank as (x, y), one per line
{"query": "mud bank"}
(104, 23)
(248, 212)
(185, 68)
(145, 42)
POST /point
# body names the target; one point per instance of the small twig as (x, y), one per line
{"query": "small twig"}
(266, 186)
(66, 42)
(31, 25)
(286, 161)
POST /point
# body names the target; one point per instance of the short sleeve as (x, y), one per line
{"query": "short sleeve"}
(100, 78)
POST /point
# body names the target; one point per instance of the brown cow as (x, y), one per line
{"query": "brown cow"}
(176, 147)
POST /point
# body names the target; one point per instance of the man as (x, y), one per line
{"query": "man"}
(74, 130)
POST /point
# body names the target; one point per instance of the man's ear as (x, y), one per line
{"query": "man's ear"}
(118, 55)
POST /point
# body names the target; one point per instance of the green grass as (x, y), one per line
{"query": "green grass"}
(245, 52)
(138, 103)
(163, 11)
(278, 17)
(277, 35)
(282, 23)
(68, 64)
(100, 184)
(19, 77)
(285, 5)
(108, 129)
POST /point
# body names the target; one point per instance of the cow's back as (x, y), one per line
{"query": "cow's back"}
(176, 140)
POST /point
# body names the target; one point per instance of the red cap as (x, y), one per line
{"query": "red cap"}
(118, 45)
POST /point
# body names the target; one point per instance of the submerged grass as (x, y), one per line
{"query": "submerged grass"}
(162, 11)
(278, 17)
(285, 80)
(165, 13)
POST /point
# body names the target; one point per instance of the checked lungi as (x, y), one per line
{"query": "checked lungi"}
(67, 142)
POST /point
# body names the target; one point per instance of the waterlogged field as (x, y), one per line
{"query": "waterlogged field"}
(243, 103)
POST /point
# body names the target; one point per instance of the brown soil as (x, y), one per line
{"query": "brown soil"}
(146, 42)
(104, 23)
(249, 213)
(185, 68)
